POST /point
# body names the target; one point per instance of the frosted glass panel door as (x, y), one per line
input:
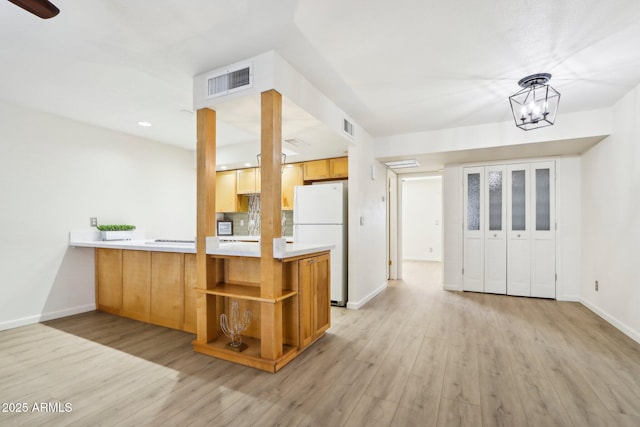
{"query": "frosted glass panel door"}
(543, 254)
(518, 230)
(495, 249)
(473, 262)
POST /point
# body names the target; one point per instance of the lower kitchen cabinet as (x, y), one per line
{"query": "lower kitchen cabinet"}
(313, 294)
(153, 287)
(109, 280)
(167, 289)
(190, 280)
(136, 285)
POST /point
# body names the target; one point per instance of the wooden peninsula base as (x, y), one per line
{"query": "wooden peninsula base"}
(282, 325)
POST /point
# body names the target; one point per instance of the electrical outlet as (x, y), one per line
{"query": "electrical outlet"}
(596, 286)
(94, 221)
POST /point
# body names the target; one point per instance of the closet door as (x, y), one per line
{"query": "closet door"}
(473, 256)
(543, 247)
(518, 230)
(495, 247)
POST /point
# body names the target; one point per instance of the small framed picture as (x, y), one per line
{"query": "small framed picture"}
(225, 228)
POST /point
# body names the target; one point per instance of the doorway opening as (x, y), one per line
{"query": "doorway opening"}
(421, 228)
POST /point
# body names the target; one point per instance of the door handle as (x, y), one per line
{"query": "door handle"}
(495, 235)
(518, 235)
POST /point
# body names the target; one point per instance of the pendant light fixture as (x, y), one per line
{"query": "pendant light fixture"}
(536, 104)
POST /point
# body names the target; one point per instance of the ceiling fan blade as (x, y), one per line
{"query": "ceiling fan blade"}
(42, 8)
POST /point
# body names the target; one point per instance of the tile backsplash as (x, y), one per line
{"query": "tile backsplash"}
(248, 224)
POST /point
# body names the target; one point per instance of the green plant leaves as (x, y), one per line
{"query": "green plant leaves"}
(116, 227)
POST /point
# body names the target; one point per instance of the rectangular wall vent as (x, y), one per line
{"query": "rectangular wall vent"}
(348, 127)
(229, 81)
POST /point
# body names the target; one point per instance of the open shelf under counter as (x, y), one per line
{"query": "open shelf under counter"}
(245, 292)
(248, 357)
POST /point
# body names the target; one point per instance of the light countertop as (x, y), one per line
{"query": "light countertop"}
(90, 239)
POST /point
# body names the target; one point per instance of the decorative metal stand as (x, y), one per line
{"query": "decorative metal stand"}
(234, 329)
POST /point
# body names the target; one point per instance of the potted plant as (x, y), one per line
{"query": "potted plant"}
(116, 231)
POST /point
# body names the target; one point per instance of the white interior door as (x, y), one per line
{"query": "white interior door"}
(473, 256)
(495, 246)
(518, 230)
(543, 248)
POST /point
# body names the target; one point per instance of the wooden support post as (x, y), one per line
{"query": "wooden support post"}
(206, 221)
(270, 222)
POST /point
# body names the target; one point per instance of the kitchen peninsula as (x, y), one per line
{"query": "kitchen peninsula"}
(153, 281)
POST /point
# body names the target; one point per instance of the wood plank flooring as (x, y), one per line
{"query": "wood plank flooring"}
(414, 356)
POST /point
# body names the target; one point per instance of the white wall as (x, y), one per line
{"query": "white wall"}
(452, 223)
(422, 218)
(611, 220)
(54, 175)
(367, 223)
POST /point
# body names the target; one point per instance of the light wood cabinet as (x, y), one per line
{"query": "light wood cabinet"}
(227, 199)
(313, 294)
(190, 281)
(291, 176)
(167, 289)
(248, 181)
(153, 287)
(339, 167)
(318, 170)
(109, 280)
(302, 306)
(136, 285)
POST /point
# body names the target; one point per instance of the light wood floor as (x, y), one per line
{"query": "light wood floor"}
(414, 356)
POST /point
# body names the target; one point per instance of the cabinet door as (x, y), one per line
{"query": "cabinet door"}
(109, 280)
(291, 176)
(495, 248)
(246, 181)
(519, 227)
(473, 256)
(339, 168)
(305, 300)
(322, 297)
(226, 197)
(543, 249)
(316, 169)
(167, 289)
(136, 285)
(190, 280)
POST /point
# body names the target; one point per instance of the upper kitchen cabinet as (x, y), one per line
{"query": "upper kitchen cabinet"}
(291, 176)
(339, 167)
(227, 199)
(318, 170)
(248, 181)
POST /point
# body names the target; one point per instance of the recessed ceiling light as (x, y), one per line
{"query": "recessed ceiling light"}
(145, 124)
(401, 164)
(223, 167)
(247, 164)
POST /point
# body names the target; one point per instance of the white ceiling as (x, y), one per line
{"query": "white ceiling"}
(394, 66)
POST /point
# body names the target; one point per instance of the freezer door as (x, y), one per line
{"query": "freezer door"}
(334, 235)
(319, 204)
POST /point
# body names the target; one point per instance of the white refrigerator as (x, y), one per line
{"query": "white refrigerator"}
(320, 216)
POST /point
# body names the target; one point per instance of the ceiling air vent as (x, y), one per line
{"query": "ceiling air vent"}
(230, 80)
(348, 128)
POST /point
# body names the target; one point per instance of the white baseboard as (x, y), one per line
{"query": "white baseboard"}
(10, 324)
(623, 327)
(568, 298)
(450, 287)
(358, 304)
